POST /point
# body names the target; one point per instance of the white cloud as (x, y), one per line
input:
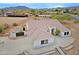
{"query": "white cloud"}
(59, 6)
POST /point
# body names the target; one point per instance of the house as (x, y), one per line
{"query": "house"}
(13, 14)
(40, 31)
(28, 14)
(49, 24)
(44, 15)
(51, 12)
(39, 40)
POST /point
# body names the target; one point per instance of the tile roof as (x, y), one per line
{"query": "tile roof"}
(38, 28)
(44, 24)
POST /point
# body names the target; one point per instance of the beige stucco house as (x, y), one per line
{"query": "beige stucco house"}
(39, 39)
(41, 32)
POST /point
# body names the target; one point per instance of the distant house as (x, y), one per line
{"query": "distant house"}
(11, 14)
(0, 14)
(50, 12)
(28, 14)
(44, 16)
(75, 17)
(40, 31)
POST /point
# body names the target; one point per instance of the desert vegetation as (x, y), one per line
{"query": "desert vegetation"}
(76, 21)
(1, 28)
(57, 32)
(15, 24)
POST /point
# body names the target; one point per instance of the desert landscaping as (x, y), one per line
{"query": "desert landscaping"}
(75, 34)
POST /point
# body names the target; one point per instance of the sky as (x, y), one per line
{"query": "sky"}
(39, 5)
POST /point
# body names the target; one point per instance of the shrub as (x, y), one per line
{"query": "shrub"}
(1, 28)
(61, 17)
(57, 32)
(15, 24)
(77, 21)
(6, 26)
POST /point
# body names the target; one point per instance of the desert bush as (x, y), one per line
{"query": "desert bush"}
(6, 26)
(62, 17)
(77, 21)
(15, 24)
(57, 32)
(1, 28)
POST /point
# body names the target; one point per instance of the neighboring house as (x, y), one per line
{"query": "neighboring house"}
(1, 15)
(11, 14)
(51, 12)
(40, 31)
(28, 14)
(75, 17)
(44, 16)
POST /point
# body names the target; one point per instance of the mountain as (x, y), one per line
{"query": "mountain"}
(27, 8)
(16, 8)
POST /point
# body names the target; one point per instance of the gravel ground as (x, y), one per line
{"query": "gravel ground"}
(75, 34)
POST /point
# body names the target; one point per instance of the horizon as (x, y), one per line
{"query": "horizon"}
(39, 5)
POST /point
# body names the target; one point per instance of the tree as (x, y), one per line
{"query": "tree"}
(76, 21)
(2, 11)
(57, 32)
(33, 11)
(6, 26)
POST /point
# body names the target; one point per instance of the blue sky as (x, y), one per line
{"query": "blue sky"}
(38, 5)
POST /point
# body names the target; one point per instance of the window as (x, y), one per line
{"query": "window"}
(20, 34)
(66, 33)
(52, 30)
(44, 41)
(23, 28)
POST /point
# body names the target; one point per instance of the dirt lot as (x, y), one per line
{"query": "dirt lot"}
(11, 20)
(75, 34)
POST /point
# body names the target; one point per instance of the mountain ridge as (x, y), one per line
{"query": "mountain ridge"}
(16, 8)
(27, 8)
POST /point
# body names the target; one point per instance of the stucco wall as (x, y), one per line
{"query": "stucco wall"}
(62, 34)
(12, 35)
(37, 43)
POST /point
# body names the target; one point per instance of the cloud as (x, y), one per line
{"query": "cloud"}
(59, 6)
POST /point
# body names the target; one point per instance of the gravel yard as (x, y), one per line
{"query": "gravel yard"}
(11, 20)
(75, 34)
